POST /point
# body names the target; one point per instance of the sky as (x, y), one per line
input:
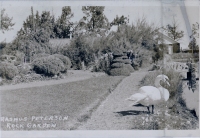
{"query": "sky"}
(156, 12)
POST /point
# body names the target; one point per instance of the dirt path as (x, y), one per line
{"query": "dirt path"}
(72, 76)
(115, 113)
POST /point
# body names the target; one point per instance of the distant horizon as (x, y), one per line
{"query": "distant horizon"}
(152, 11)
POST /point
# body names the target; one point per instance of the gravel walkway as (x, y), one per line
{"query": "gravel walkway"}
(115, 113)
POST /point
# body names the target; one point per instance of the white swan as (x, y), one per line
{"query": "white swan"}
(149, 95)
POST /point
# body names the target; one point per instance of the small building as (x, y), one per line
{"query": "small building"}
(171, 45)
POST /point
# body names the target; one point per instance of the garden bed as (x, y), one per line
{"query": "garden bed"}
(170, 115)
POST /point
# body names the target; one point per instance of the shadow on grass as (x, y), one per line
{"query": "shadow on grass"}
(131, 112)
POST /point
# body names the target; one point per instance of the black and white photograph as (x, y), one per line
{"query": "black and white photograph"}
(77, 66)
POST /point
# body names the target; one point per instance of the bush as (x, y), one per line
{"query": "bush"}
(65, 60)
(48, 66)
(16, 63)
(8, 70)
(24, 69)
(118, 60)
(119, 72)
(127, 61)
(117, 65)
(129, 67)
(118, 53)
(124, 57)
(80, 51)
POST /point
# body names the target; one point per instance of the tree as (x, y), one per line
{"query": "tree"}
(173, 31)
(119, 20)
(63, 24)
(193, 44)
(6, 22)
(33, 38)
(94, 19)
(195, 30)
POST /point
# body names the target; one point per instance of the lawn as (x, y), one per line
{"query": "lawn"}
(54, 107)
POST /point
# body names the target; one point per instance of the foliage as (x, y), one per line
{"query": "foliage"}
(119, 72)
(24, 69)
(173, 31)
(33, 37)
(6, 22)
(119, 20)
(94, 19)
(49, 66)
(120, 64)
(195, 30)
(80, 51)
(193, 44)
(8, 70)
(65, 60)
(129, 67)
(63, 25)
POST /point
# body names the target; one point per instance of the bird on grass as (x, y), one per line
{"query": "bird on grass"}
(150, 95)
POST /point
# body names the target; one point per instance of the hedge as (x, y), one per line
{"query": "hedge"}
(65, 60)
(8, 70)
(124, 57)
(125, 61)
(49, 66)
(129, 67)
(117, 65)
(118, 53)
(119, 72)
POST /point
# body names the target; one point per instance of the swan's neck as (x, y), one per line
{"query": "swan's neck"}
(160, 88)
(157, 83)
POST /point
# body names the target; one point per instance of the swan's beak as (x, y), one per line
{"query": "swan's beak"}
(167, 83)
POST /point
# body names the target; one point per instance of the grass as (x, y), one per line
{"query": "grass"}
(170, 115)
(75, 100)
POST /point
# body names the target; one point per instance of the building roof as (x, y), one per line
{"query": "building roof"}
(166, 39)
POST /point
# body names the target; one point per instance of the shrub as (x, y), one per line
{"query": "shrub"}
(118, 53)
(124, 57)
(119, 72)
(40, 55)
(8, 70)
(48, 66)
(129, 67)
(127, 61)
(117, 65)
(16, 63)
(118, 60)
(24, 69)
(80, 51)
(65, 60)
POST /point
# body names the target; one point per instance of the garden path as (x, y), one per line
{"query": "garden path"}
(115, 113)
(72, 76)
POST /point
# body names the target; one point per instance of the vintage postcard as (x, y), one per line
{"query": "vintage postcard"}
(99, 68)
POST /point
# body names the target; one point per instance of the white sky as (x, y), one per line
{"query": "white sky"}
(150, 9)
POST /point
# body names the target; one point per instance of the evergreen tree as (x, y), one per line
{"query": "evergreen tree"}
(6, 22)
(119, 21)
(63, 24)
(193, 44)
(94, 20)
